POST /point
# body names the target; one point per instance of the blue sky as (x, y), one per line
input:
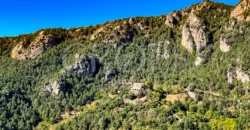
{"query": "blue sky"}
(26, 16)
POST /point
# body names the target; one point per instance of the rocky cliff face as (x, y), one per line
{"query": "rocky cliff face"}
(173, 19)
(83, 65)
(194, 34)
(240, 10)
(117, 34)
(194, 30)
(35, 48)
(142, 25)
(187, 39)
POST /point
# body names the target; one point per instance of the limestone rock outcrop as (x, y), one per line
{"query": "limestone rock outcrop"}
(172, 19)
(198, 61)
(55, 87)
(194, 34)
(187, 39)
(37, 47)
(114, 35)
(240, 10)
(83, 65)
(142, 25)
(237, 74)
(242, 76)
(224, 47)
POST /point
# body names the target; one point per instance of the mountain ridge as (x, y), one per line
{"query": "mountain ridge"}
(188, 69)
(121, 31)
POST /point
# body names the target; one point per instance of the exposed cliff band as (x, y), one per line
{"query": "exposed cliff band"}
(37, 47)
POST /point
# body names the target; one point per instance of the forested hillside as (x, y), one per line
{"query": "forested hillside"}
(185, 70)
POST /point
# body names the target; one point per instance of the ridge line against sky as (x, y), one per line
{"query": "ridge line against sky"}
(27, 16)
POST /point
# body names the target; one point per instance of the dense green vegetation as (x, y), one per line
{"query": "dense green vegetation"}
(152, 56)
